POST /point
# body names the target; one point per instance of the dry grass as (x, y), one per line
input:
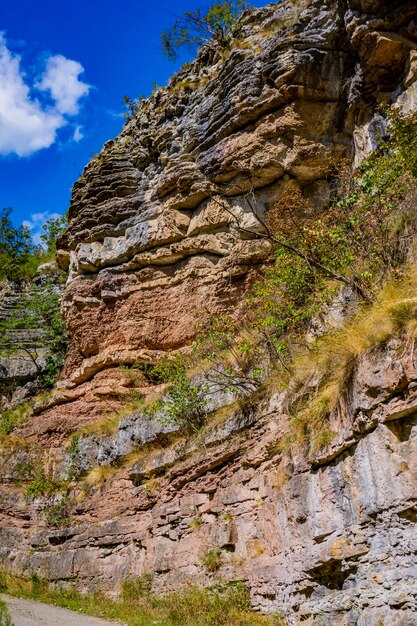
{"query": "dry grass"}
(99, 475)
(279, 477)
(109, 423)
(330, 362)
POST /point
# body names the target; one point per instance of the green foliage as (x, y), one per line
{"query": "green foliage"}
(217, 24)
(57, 514)
(9, 420)
(403, 136)
(133, 588)
(38, 313)
(5, 619)
(219, 605)
(131, 107)
(38, 584)
(19, 256)
(212, 559)
(16, 249)
(51, 230)
(356, 242)
(185, 403)
(42, 485)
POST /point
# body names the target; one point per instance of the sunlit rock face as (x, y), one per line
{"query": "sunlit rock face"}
(330, 541)
(153, 242)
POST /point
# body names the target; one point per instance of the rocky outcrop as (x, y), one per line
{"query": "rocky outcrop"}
(162, 229)
(153, 218)
(330, 541)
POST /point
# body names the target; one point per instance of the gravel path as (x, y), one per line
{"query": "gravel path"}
(29, 613)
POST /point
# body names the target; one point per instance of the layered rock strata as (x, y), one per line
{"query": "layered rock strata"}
(154, 217)
(331, 540)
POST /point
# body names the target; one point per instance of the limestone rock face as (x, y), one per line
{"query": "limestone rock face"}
(153, 218)
(161, 231)
(331, 540)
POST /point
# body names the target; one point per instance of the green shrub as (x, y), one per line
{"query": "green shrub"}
(9, 420)
(57, 514)
(42, 485)
(185, 403)
(134, 588)
(212, 559)
(357, 241)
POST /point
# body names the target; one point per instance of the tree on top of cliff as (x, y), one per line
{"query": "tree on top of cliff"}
(215, 24)
(51, 230)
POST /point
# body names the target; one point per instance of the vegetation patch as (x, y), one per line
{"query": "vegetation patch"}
(212, 559)
(215, 26)
(9, 420)
(5, 619)
(332, 358)
(219, 605)
(42, 484)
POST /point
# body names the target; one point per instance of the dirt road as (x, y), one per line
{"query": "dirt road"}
(29, 613)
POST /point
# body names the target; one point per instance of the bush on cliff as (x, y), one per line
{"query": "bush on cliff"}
(216, 25)
(357, 242)
(184, 404)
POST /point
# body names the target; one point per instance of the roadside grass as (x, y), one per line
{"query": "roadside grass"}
(219, 605)
(5, 619)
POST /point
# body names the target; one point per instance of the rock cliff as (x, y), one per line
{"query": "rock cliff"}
(161, 231)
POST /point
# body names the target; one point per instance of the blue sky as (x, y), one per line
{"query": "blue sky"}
(64, 69)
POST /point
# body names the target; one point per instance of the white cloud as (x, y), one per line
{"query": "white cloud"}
(26, 124)
(61, 80)
(78, 134)
(35, 223)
